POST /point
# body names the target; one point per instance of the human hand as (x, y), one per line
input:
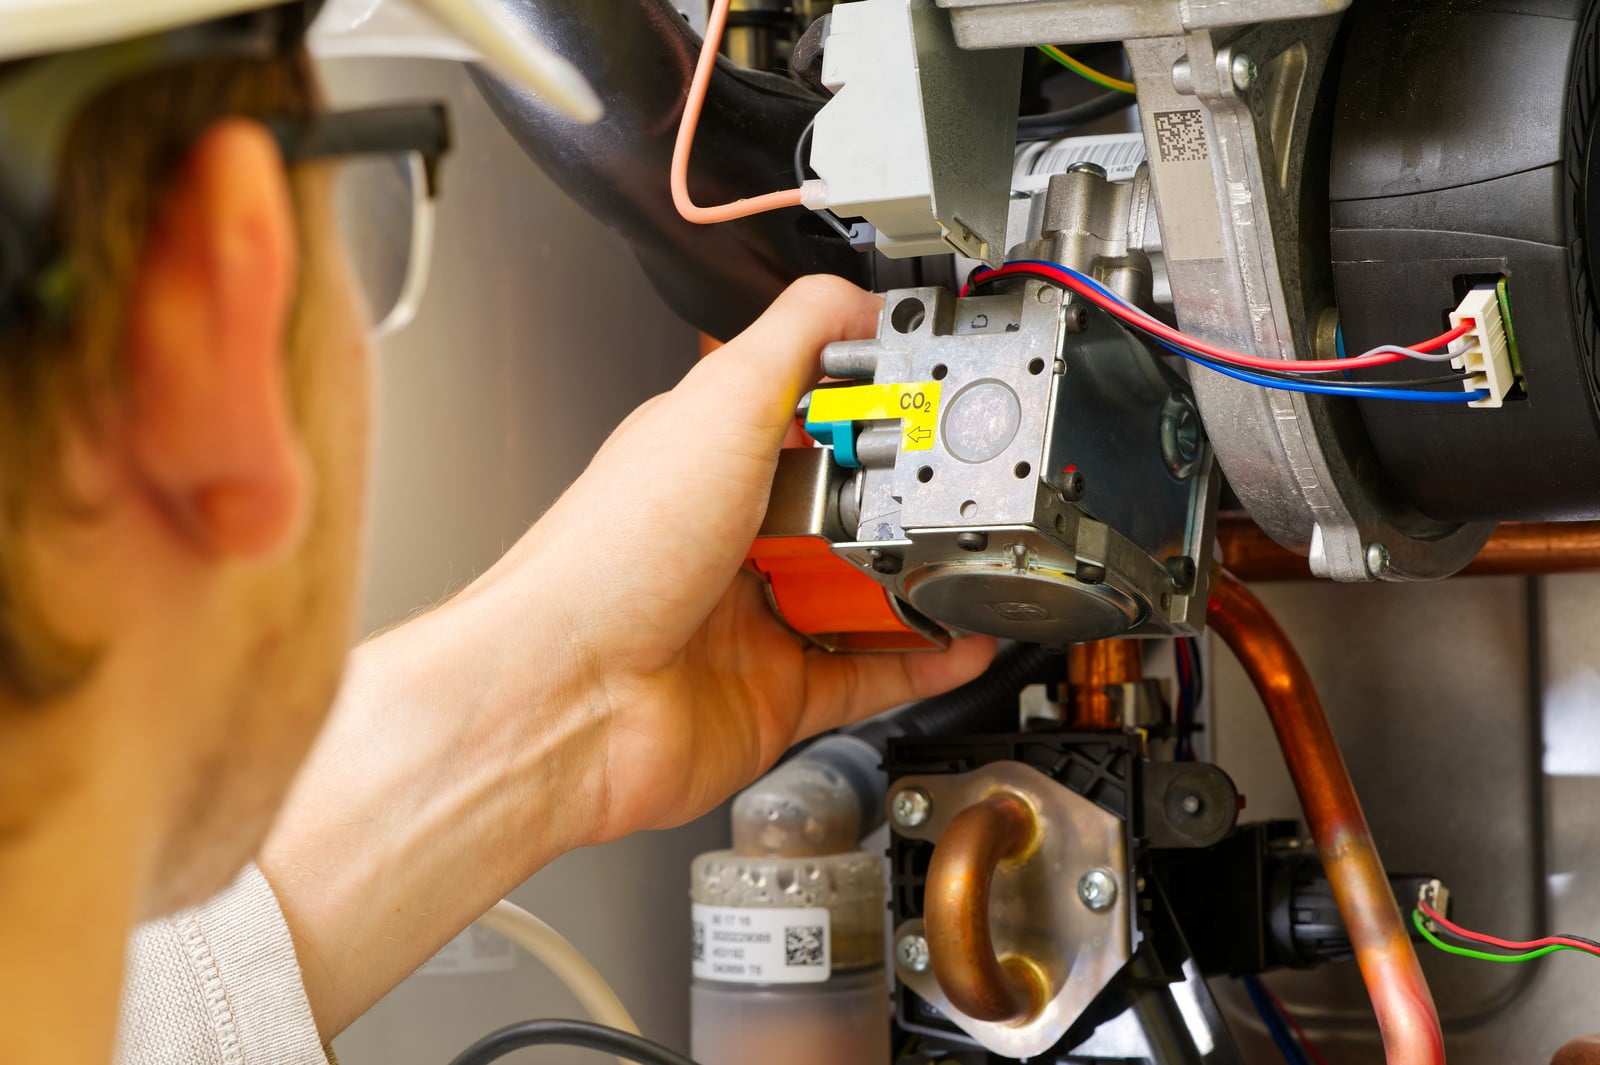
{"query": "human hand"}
(699, 686)
(617, 670)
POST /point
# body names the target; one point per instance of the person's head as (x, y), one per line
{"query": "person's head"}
(183, 423)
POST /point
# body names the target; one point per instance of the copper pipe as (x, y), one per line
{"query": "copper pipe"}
(1516, 548)
(960, 947)
(1400, 997)
(1092, 670)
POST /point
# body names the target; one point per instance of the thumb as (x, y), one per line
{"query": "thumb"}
(770, 364)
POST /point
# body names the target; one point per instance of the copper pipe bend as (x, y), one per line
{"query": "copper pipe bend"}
(1400, 997)
(961, 949)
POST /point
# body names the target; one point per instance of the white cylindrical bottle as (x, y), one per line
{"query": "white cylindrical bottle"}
(789, 925)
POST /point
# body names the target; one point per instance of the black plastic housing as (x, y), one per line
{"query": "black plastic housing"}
(639, 55)
(1463, 149)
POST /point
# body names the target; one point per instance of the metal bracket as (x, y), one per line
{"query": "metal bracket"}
(1077, 942)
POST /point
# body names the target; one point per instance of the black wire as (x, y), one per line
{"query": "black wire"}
(800, 175)
(497, 1045)
(1055, 124)
(1331, 378)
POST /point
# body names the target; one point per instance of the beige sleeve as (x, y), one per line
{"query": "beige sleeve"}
(218, 985)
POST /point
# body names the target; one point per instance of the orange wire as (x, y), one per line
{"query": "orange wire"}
(727, 212)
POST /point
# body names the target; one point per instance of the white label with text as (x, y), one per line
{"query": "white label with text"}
(740, 945)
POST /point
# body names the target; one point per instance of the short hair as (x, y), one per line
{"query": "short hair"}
(118, 160)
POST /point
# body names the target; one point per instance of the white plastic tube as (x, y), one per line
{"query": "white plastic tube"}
(564, 960)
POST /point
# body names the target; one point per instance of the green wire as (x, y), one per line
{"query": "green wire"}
(1449, 948)
(1105, 81)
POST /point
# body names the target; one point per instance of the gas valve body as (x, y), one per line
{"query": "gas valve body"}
(1020, 465)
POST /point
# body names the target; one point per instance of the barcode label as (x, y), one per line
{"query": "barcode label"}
(739, 945)
(1181, 136)
(1119, 154)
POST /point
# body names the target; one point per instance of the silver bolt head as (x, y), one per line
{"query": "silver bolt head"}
(1244, 71)
(913, 953)
(911, 807)
(1377, 559)
(1098, 890)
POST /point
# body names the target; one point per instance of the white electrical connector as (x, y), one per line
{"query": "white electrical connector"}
(1483, 351)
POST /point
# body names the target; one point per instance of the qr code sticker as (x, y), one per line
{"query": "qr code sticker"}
(1181, 137)
(802, 945)
(699, 941)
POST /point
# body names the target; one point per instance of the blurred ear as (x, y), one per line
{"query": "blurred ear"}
(213, 434)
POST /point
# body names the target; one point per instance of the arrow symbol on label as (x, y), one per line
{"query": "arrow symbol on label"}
(919, 434)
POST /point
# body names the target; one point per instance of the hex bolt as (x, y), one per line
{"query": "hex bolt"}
(1097, 890)
(1377, 559)
(911, 807)
(913, 953)
(1244, 71)
(972, 541)
(885, 563)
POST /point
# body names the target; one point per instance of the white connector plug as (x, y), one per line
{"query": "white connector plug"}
(1483, 352)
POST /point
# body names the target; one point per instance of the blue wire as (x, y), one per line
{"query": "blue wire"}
(1275, 1027)
(1311, 387)
(1335, 390)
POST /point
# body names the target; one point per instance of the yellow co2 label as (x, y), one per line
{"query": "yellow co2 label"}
(916, 405)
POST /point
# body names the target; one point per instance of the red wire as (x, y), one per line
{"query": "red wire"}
(1508, 944)
(1299, 1032)
(1443, 338)
(1235, 358)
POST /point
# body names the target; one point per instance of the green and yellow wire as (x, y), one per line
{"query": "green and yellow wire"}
(1105, 81)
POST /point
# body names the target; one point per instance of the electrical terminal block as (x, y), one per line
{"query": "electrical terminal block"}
(1483, 352)
(1435, 896)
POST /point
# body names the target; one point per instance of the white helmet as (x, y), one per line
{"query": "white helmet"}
(460, 29)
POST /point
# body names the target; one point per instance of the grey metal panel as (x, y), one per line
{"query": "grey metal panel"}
(538, 333)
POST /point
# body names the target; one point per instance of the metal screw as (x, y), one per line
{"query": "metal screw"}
(1377, 559)
(911, 807)
(972, 541)
(1077, 319)
(1244, 71)
(913, 953)
(1182, 571)
(1090, 573)
(884, 563)
(1191, 804)
(1072, 486)
(1097, 890)
(1182, 436)
(1084, 166)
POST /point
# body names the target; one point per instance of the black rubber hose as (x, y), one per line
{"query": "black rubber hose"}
(987, 704)
(639, 55)
(1069, 119)
(497, 1045)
